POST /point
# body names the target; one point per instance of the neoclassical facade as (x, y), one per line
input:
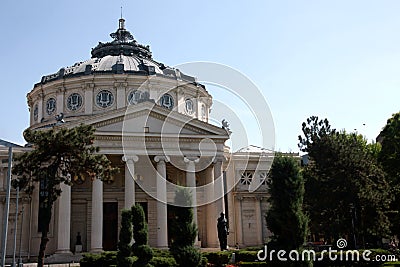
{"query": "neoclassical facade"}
(152, 122)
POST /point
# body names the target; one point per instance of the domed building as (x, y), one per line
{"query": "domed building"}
(152, 122)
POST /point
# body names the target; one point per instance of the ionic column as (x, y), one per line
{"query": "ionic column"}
(219, 185)
(212, 234)
(96, 244)
(191, 182)
(129, 180)
(161, 188)
(64, 220)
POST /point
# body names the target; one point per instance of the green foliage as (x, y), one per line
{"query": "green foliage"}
(203, 262)
(57, 155)
(285, 218)
(161, 253)
(187, 256)
(125, 238)
(163, 262)
(252, 264)
(105, 259)
(140, 247)
(345, 185)
(243, 255)
(218, 258)
(389, 157)
(185, 232)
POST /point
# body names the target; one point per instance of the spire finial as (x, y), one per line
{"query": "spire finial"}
(121, 12)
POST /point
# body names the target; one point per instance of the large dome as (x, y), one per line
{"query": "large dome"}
(122, 55)
(119, 74)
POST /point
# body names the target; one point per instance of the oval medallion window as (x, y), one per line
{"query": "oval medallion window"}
(167, 101)
(50, 106)
(74, 101)
(104, 99)
(36, 112)
(189, 106)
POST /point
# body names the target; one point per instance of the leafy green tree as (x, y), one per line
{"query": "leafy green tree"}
(286, 218)
(185, 232)
(346, 190)
(140, 248)
(124, 258)
(389, 157)
(57, 155)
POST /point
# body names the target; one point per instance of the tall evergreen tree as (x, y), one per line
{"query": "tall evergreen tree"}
(286, 218)
(124, 258)
(57, 155)
(140, 248)
(184, 231)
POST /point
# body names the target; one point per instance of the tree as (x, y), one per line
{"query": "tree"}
(286, 218)
(140, 247)
(389, 157)
(124, 258)
(185, 232)
(346, 191)
(58, 154)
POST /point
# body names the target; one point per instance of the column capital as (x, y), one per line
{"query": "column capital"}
(161, 158)
(189, 159)
(130, 158)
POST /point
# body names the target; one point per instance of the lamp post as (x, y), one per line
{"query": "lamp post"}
(15, 225)
(7, 208)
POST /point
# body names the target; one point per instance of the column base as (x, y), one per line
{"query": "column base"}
(63, 251)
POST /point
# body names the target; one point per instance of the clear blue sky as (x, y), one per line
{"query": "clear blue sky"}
(335, 59)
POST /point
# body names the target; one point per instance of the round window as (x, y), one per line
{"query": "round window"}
(50, 106)
(74, 101)
(104, 99)
(167, 101)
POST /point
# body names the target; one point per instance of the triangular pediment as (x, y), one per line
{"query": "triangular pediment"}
(152, 119)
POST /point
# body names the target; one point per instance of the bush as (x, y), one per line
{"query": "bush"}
(251, 264)
(125, 238)
(163, 262)
(105, 259)
(161, 253)
(219, 258)
(144, 254)
(187, 256)
(246, 256)
(203, 262)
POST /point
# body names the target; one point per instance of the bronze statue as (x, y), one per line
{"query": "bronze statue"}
(223, 232)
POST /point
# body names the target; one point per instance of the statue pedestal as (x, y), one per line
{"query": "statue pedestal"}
(78, 248)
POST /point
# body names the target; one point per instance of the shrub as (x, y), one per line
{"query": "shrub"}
(105, 259)
(251, 264)
(187, 256)
(185, 232)
(161, 253)
(246, 256)
(163, 262)
(125, 238)
(203, 262)
(218, 258)
(140, 247)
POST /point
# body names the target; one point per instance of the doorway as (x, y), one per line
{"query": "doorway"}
(110, 225)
